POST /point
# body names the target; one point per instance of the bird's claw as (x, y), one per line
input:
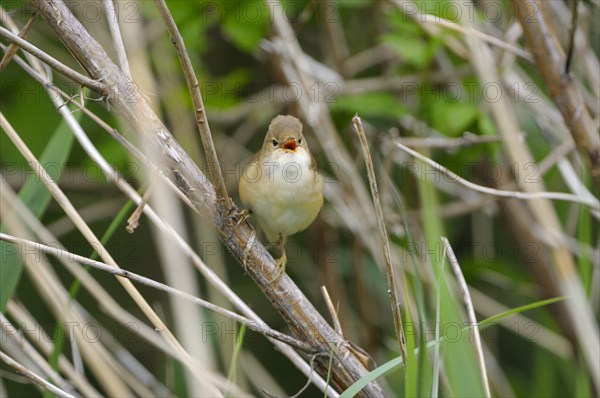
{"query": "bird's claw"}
(238, 215)
(280, 264)
(243, 215)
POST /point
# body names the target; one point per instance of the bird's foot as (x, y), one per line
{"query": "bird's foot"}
(238, 215)
(280, 264)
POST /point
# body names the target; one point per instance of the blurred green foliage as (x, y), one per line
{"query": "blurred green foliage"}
(224, 41)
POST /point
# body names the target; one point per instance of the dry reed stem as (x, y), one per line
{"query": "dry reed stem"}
(297, 311)
(385, 246)
(214, 167)
(594, 204)
(34, 377)
(13, 48)
(30, 326)
(89, 235)
(72, 257)
(464, 291)
(55, 64)
(564, 274)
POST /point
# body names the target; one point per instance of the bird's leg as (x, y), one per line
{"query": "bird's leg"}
(281, 261)
(242, 215)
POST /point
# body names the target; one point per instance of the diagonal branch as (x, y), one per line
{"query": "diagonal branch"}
(303, 319)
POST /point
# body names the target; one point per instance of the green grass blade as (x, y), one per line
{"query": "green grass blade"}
(329, 371)
(75, 286)
(351, 391)
(395, 363)
(461, 365)
(234, 357)
(522, 308)
(411, 381)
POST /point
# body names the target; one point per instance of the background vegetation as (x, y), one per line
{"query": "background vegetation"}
(431, 82)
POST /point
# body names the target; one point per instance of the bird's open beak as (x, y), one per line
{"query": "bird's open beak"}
(290, 145)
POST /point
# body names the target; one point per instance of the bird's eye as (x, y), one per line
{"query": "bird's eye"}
(274, 142)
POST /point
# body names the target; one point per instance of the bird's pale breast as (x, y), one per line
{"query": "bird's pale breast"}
(283, 192)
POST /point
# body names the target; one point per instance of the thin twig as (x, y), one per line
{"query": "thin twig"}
(57, 65)
(560, 273)
(13, 48)
(470, 311)
(594, 204)
(468, 139)
(208, 273)
(436, 20)
(112, 18)
(33, 377)
(20, 220)
(25, 244)
(332, 311)
(68, 207)
(394, 297)
(214, 167)
(134, 220)
(297, 311)
(30, 327)
(27, 349)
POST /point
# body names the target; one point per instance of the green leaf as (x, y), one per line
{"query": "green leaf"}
(411, 383)
(413, 50)
(229, 90)
(374, 104)
(395, 363)
(246, 23)
(522, 308)
(486, 125)
(452, 118)
(37, 198)
(239, 340)
(409, 41)
(369, 377)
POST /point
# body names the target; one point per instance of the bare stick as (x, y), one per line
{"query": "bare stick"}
(292, 355)
(33, 377)
(214, 168)
(133, 220)
(299, 313)
(26, 348)
(115, 32)
(334, 317)
(89, 235)
(13, 48)
(467, 140)
(262, 329)
(594, 204)
(435, 20)
(55, 64)
(464, 290)
(395, 301)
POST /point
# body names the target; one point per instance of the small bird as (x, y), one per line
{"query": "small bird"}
(282, 185)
